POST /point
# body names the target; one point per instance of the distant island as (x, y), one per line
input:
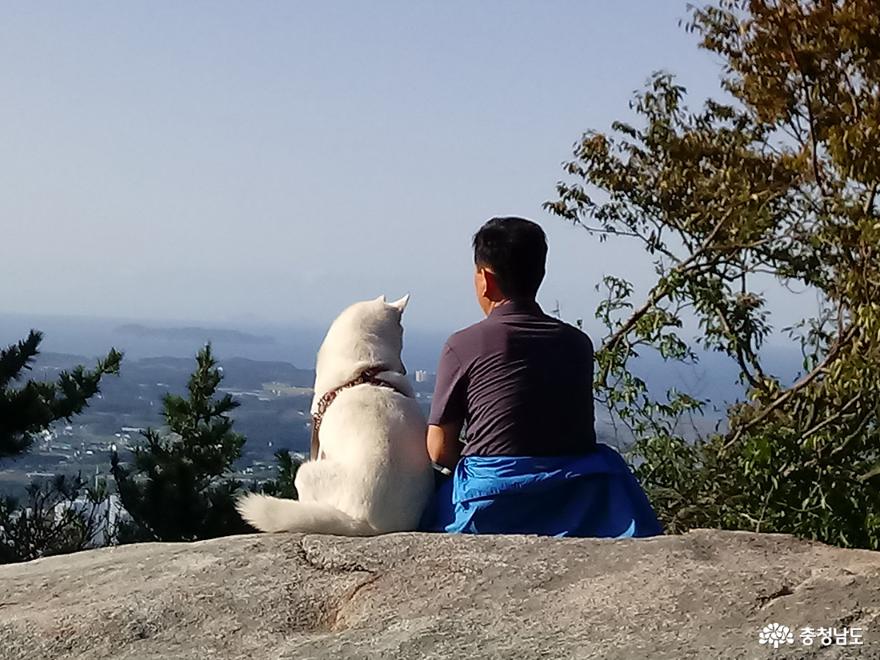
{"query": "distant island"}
(193, 333)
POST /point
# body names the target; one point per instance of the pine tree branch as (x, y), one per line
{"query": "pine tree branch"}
(18, 357)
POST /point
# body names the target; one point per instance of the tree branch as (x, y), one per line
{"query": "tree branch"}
(734, 435)
(658, 293)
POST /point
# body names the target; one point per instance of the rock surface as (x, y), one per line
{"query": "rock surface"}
(702, 595)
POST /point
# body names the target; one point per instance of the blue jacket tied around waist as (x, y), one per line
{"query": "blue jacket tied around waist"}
(593, 495)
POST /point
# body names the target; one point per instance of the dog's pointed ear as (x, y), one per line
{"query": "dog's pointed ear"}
(400, 305)
(381, 298)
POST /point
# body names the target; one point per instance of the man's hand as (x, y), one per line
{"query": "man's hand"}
(444, 447)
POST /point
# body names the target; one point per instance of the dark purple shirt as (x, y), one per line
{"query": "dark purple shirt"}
(521, 381)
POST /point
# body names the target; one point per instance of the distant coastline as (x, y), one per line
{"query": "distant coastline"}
(193, 333)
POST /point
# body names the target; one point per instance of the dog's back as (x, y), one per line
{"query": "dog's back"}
(376, 437)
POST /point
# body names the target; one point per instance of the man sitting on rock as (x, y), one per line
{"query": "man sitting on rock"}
(520, 383)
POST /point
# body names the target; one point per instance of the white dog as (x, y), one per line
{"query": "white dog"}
(373, 474)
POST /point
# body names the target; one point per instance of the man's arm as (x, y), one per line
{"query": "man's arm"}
(444, 447)
(447, 410)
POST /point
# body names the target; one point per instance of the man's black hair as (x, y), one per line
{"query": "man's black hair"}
(515, 249)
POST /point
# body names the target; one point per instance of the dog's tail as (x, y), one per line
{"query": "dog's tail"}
(273, 514)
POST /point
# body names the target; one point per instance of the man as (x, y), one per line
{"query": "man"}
(520, 383)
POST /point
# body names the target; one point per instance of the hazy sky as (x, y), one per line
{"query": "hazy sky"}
(217, 161)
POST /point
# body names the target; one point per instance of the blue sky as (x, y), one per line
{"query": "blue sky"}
(274, 161)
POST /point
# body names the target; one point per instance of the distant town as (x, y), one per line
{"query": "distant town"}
(274, 400)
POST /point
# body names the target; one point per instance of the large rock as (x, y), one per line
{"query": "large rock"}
(702, 595)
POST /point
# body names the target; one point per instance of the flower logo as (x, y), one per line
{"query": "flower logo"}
(775, 635)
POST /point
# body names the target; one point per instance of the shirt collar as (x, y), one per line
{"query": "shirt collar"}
(529, 307)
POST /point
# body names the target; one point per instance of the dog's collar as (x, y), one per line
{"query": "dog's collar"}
(367, 377)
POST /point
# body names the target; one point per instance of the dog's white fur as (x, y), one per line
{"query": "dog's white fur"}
(375, 476)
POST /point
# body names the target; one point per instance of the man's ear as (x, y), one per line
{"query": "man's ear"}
(400, 305)
(493, 291)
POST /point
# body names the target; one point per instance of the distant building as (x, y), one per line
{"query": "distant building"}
(421, 375)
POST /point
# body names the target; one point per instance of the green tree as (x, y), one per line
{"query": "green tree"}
(49, 519)
(33, 406)
(780, 179)
(178, 487)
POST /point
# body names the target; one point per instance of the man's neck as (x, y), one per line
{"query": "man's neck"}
(497, 303)
(529, 304)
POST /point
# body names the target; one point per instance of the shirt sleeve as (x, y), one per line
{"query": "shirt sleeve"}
(448, 403)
